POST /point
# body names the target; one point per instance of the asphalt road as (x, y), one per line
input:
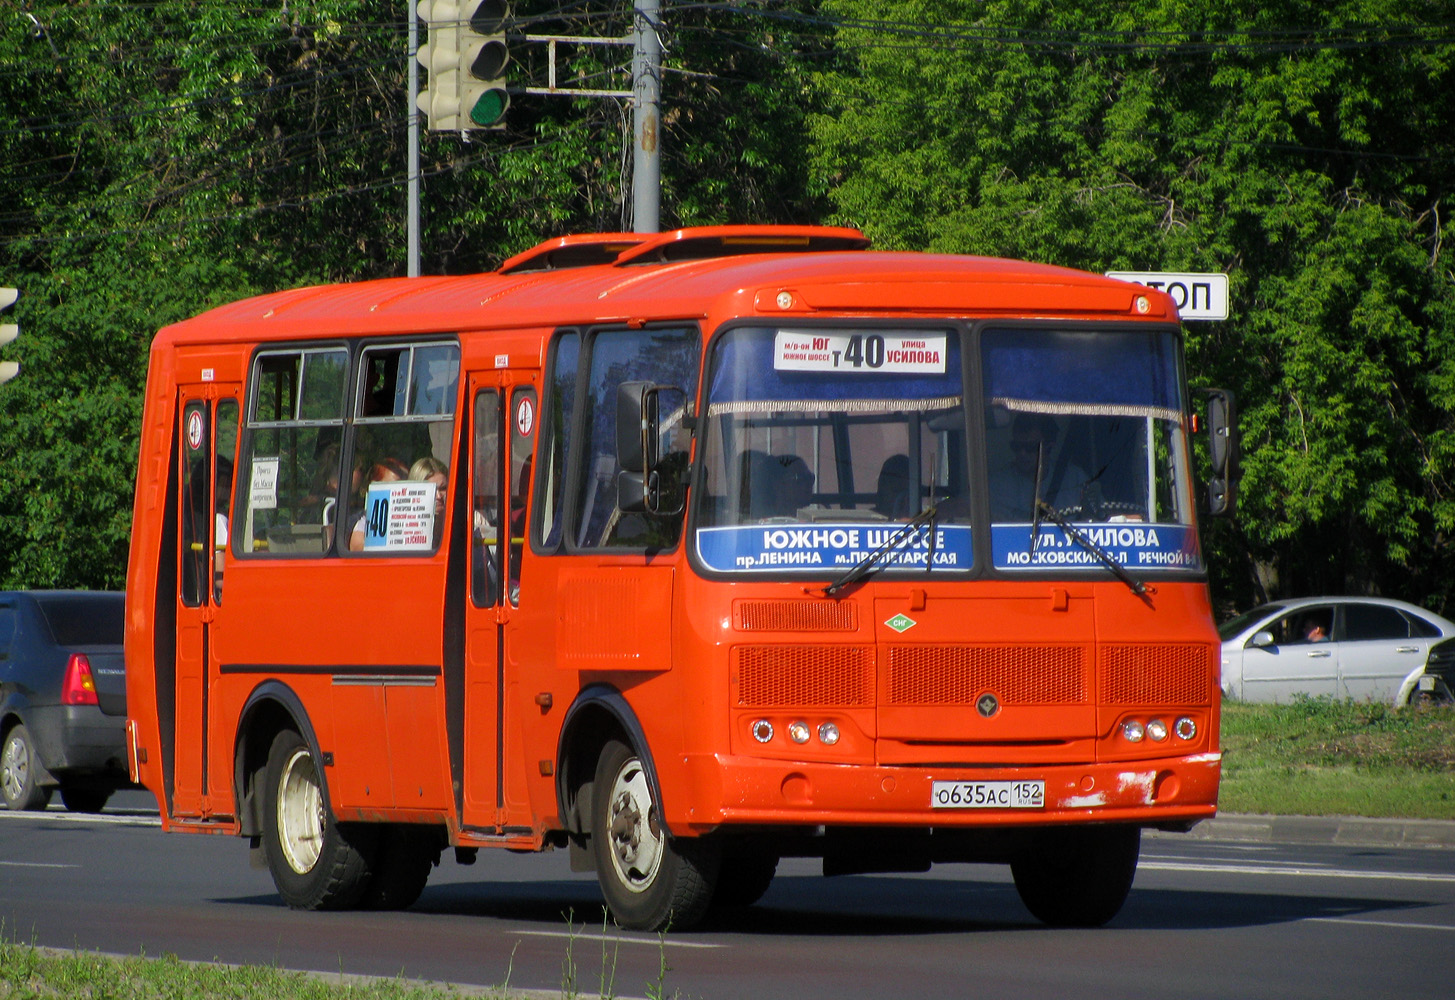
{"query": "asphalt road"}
(1205, 919)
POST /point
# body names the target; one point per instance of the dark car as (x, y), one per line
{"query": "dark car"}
(62, 698)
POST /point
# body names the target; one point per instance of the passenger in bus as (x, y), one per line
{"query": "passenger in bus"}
(386, 470)
(774, 485)
(892, 491)
(431, 470)
(1013, 477)
(219, 528)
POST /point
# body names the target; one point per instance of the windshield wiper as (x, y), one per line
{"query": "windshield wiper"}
(1054, 516)
(861, 569)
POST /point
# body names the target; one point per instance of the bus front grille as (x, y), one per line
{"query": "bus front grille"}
(1017, 675)
(804, 675)
(795, 616)
(1157, 674)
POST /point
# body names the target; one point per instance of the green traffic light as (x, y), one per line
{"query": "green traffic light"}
(490, 107)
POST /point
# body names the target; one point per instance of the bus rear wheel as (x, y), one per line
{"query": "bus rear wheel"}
(316, 863)
(650, 880)
(1077, 877)
(406, 855)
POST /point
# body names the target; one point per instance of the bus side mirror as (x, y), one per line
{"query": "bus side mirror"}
(1222, 440)
(651, 467)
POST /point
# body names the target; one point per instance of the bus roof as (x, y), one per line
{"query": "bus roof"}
(780, 272)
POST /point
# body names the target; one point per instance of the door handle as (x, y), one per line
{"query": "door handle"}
(1407, 649)
(1319, 652)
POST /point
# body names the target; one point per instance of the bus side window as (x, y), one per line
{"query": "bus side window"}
(403, 424)
(556, 438)
(485, 502)
(287, 473)
(522, 439)
(663, 357)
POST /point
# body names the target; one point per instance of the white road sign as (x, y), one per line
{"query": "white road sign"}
(1198, 296)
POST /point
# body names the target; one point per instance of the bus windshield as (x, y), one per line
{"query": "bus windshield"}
(1096, 418)
(818, 442)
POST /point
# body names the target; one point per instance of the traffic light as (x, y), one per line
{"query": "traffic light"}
(483, 58)
(8, 332)
(466, 56)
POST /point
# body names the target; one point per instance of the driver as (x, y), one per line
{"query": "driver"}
(1013, 477)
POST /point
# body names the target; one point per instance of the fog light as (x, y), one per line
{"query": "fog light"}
(798, 732)
(1185, 729)
(1157, 730)
(828, 734)
(1132, 731)
(762, 730)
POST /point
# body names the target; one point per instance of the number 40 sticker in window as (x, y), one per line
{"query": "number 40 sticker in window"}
(399, 517)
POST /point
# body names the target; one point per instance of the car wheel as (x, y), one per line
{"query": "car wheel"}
(1077, 877)
(316, 862)
(18, 765)
(84, 800)
(650, 880)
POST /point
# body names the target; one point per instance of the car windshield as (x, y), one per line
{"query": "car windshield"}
(1233, 626)
(84, 619)
(830, 439)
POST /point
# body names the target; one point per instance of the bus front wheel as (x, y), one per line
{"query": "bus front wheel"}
(1077, 876)
(650, 880)
(315, 863)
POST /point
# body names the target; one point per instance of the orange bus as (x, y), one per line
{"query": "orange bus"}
(685, 552)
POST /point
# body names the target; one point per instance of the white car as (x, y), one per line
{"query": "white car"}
(1364, 648)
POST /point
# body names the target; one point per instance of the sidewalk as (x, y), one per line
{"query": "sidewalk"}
(1348, 831)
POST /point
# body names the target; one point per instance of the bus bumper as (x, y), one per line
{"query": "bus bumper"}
(1169, 792)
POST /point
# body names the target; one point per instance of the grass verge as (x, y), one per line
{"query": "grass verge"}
(1317, 757)
(46, 974)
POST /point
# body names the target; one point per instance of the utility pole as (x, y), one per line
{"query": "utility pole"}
(646, 118)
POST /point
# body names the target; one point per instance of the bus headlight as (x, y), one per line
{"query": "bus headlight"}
(1157, 730)
(1132, 731)
(828, 734)
(798, 732)
(1186, 728)
(762, 730)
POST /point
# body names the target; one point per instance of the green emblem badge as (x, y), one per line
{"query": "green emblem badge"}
(901, 623)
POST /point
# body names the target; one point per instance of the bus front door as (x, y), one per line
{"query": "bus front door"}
(502, 434)
(208, 418)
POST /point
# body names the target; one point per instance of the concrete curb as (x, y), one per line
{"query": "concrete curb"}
(1347, 831)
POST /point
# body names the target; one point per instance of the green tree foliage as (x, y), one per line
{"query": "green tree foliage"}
(160, 158)
(1307, 148)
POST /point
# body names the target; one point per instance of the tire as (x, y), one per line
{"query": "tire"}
(84, 800)
(1078, 877)
(650, 880)
(18, 764)
(316, 862)
(406, 855)
(744, 877)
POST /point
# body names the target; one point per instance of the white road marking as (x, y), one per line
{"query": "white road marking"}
(33, 864)
(1380, 923)
(60, 816)
(1302, 871)
(598, 939)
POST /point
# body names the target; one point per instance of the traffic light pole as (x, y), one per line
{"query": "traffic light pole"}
(412, 223)
(646, 119)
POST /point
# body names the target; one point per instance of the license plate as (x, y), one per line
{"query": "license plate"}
(988, 795)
